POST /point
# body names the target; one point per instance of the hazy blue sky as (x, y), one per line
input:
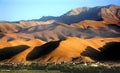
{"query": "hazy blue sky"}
(13, 10)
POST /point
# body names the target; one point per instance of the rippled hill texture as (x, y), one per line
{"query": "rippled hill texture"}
(82, 34)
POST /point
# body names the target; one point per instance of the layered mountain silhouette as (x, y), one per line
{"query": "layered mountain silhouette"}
(102, 21)
(98, 13)
(77, 35)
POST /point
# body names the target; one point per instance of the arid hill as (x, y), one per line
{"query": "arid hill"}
(101, 21)
(67, 50)
(8, 50)
(82, 34)
(56, 31)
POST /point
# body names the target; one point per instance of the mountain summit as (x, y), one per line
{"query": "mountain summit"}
(98, 13)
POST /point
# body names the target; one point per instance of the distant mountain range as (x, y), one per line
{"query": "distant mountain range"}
(102, 21)
(71, 33)
(98, 13)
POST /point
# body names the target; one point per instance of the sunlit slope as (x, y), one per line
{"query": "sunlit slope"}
(67, 50)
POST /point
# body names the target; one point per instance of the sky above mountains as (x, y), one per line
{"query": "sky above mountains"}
(14, 10)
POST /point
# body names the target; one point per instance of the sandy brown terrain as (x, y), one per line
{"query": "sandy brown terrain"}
(82, 34)
(67, 50)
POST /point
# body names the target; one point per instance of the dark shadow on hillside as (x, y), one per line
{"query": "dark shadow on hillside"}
(1, 34)
(109, 52)
(114, 27)
(8, 52)
(43, 50)
(10, 39)
(103, 32)
(92, 53)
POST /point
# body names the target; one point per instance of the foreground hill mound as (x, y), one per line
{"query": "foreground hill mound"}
(67, 50)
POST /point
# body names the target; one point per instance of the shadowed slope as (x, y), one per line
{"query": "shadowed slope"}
(8, 52)
(115, 28)
(67, 50)
(109, 52)
(21, 57)
(43, 50)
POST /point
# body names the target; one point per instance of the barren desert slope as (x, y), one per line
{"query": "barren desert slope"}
(67, 50)
(80, 35)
